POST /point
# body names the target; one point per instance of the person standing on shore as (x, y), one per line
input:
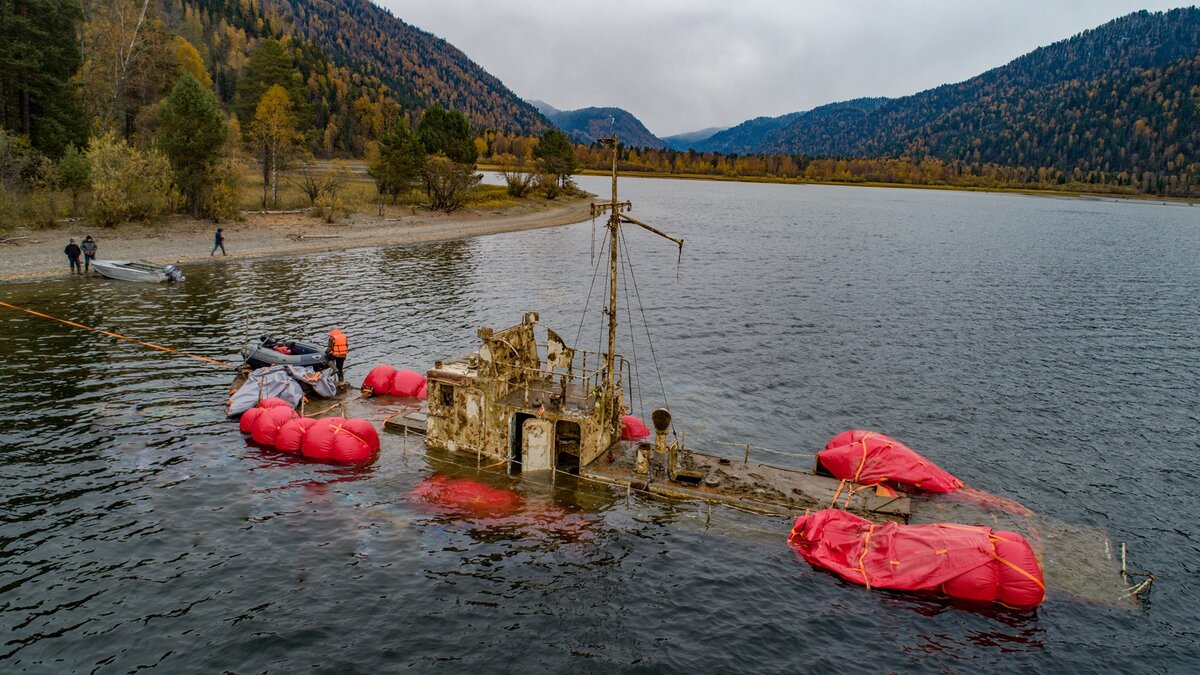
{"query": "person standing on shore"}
(218, 242)
(89, 252)
(336, 350)
(73, 251)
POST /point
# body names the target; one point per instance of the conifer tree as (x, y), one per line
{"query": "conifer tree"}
(268, 66)
(399, 162)
(38, 54)
(192, 134)
(556, 154)
(74, 171)
(448, 132)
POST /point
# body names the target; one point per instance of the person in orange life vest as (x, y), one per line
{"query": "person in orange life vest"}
(336, 350)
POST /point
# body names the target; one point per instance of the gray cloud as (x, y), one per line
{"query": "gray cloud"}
(684, 65)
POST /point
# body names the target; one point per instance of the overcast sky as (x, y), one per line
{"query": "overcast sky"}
(683, 65)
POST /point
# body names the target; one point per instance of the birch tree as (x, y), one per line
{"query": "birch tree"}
(274, 136)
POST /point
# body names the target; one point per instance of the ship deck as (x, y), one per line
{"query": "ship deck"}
(747, 485)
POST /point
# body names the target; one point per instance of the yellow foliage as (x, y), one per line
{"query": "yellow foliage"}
(189, 61)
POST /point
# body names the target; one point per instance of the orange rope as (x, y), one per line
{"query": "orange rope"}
(862, 568)
(118, 335)
(837, 494)
(1017, 568)
(862, 462)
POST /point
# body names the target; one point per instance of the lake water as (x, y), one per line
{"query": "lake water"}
(1041, 349)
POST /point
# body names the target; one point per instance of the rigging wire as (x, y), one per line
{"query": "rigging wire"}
(588, 301)
(636, 383)
(646, 324)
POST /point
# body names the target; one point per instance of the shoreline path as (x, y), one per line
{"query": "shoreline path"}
(38, 253)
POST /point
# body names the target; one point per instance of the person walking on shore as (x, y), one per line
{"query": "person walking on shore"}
(218, 242)
(89, 252)
(336, 350)
(73, 251)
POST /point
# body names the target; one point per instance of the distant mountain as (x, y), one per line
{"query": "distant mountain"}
(744, 138)
(419, 68)
(586, 125)
(544, 108)
(834, 119)
(689, 139)
(1052, 107)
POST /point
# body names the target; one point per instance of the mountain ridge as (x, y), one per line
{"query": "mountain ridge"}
(587, 125)
(1138, 41)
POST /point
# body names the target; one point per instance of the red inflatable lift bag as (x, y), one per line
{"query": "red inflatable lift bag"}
(407, 383)
(870, 458)
(962, 561)
(318, 440)
(338, 439)
(291, 435)
(633, 429)
(246, 423)
(465, 497)
(267, 425)
(379, 381)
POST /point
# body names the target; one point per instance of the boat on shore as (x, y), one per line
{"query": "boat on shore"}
(138, 270)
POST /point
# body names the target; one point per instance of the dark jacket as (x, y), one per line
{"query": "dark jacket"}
(89, 247)
(72, 251)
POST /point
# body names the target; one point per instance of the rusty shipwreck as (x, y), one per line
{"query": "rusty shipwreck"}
(530, 404)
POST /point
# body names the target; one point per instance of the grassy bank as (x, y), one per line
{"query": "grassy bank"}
(38, 210)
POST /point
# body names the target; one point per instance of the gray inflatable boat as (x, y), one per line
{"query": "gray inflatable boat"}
(267, 351)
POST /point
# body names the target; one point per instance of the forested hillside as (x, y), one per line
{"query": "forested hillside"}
(1141, 130)
(148, 107)
(353, 64)
(419, 68)
(1113, 104)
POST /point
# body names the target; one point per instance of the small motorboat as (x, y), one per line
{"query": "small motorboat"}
(267, 351)
(137, 270)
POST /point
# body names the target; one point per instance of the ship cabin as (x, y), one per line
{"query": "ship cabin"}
(537, 405)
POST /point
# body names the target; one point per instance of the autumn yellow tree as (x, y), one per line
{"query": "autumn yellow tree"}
(274, 136)
(190, 62)
(128, 62)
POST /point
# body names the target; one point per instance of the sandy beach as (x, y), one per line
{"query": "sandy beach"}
(39, 253)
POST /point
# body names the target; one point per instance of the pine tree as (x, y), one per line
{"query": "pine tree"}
(268, 66)
(74, 171)
(38, 55)
(448, 132)
(192, 133)
(556, 155)
(400, 160)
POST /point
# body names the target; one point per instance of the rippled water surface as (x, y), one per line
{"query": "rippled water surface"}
(1041, 349)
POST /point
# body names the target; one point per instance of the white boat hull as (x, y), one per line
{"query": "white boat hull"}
(136, 270)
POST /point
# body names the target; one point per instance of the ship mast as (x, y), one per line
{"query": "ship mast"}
(615, 209)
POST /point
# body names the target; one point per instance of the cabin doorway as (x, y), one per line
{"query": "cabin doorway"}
(566, 446)
(516, 436)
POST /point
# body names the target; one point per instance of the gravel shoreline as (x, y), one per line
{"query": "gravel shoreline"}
(38, 253)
